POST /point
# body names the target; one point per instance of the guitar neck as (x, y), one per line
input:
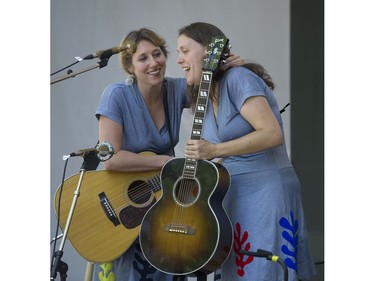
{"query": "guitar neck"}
(215, 55)
(198, 121)
(201, 106)
(155, 183)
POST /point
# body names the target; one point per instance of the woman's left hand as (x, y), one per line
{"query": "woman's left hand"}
(199, 149)
(233, 60)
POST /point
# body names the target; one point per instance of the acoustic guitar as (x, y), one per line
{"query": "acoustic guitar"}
(187, 231)
(109, 210)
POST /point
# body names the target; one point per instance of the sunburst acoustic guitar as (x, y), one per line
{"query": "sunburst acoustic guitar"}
(187, 231)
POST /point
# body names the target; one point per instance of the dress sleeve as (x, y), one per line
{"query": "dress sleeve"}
(110, 104)
(241, 83)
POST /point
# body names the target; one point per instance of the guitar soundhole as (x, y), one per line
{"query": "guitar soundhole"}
(186, 191)
(139, 192)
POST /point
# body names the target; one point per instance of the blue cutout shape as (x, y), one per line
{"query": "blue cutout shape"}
(291, 236)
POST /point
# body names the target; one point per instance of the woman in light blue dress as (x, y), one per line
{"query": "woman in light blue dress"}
(141, 114)
(244, 127)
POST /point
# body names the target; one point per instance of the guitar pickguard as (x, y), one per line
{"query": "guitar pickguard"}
(132, 216)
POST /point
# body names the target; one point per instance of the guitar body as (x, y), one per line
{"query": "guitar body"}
(187, 232)
(109, 210)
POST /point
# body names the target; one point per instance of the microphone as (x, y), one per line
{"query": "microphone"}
(105, 53)
(104, 151)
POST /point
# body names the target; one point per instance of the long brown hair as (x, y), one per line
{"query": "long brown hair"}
(202, 33)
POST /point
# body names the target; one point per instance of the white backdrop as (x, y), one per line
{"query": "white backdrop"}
(257, 29)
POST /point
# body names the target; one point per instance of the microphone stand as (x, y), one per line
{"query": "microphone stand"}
(104, 58)
(269, 256)
(59, 265)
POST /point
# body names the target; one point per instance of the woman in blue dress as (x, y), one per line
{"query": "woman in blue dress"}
(243, 126)
(141, 114)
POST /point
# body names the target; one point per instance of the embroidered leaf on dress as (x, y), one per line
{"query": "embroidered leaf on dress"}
(291, 236)
(238, 241)
(106, 274)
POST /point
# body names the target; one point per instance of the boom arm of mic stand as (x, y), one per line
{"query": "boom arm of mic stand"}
(103, 62)
(72, 74)
(269, 256)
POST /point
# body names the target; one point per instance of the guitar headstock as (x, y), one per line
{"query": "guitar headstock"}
(217, 52)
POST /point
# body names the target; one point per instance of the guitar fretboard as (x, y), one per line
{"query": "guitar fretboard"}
(198, 121)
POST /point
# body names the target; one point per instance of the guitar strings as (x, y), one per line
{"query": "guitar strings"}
(139, 192)
(178, 211)
(183, 197)
(186, 188)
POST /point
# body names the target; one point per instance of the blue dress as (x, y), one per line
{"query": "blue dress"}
(125, 105)
(264, 200)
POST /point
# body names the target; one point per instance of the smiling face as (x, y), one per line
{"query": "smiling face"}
(148, 64)
(190, 57)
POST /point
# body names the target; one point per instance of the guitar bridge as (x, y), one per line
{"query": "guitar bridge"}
(108, 210)
(182, 229)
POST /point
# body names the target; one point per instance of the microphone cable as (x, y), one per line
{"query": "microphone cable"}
(58, 216)
(269, 256)
(69, 71)
(283, 109)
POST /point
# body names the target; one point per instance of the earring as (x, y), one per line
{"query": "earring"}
(130, 79)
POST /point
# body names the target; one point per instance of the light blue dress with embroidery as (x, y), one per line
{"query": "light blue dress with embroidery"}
(264, 200)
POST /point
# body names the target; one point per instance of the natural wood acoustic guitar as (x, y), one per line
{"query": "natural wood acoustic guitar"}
(109, 210)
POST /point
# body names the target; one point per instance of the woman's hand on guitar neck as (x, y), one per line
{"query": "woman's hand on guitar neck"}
(200, 149)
